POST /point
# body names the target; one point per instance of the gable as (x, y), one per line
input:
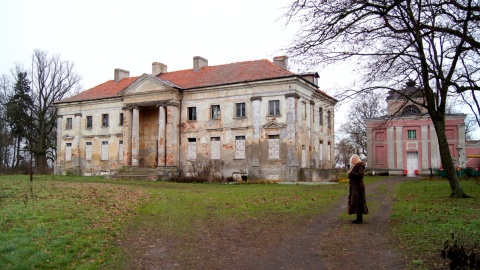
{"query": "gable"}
(147, 84)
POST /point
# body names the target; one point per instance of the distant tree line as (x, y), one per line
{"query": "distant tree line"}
(27, 115)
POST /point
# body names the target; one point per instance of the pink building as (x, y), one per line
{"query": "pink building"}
(405, 141)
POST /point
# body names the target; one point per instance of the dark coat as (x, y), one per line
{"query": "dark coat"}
(357, 189)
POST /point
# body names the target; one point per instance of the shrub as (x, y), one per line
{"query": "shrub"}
(460, 256)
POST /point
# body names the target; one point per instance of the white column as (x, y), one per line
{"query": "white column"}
(161, 136)
(76, 143)
(291, 139)
(255, 161)
(135, 137)
(60, 153)
(424, 130)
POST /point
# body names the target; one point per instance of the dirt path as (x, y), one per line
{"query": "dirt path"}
(329, 241)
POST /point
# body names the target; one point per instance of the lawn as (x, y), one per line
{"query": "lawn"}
(425, 218)
(75, 222)
(60, 222)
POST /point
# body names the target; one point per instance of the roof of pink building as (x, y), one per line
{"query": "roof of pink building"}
(208, 76)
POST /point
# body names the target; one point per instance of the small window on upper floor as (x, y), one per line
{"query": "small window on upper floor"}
(192, 113)
(215, 111)
(411, 110)
(240, 110)
(104, 120)
(121, 119)
(69, 123)
(329, 119)
(274, 107)
(89, 122)
(412, 134)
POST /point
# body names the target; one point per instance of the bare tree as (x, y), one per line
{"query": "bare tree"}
(53, 79)
(370, 105)
(432, 42)
(344, 149)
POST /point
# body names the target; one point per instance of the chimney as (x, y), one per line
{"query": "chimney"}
(281, 61)
(158, 68)
(120, 74)
(199, 62)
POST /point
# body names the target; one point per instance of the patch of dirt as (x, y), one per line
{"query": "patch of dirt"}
(328, 241)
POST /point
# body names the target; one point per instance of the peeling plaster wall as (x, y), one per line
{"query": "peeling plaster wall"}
(79, 135)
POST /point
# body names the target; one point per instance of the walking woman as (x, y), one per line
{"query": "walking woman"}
(357, 203)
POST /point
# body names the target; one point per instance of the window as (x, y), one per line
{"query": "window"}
(88, 151)
(240, 109)
(192, 113)
(192, 149)
(304, 109)
(322, 151)
(215, 148)
(120, 123)
(412, 134)
(411, 110)
(320, 113)
(89, 122)
(329, 119)
(215, 111)
(120, 150)
(104, 120)
(104, 151)
(240, 147)
(329, 151)
(68, 152)
(274, 107)
(274, 146)
(69, 123)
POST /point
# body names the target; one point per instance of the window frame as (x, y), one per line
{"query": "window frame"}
(105, 120)
(274, 110)
(121, 119)
(215, 112)
(411, 134)
(242, 108)
(192, 113)
(240, 148)
(272, 139)
(89, 122)
(69, 123)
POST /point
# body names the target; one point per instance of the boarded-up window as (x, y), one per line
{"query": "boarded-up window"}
(304, 156)
(88, 151)
(192, 149)
(68, 152)
(449, 133)
(120, 150)
(273, 146)
(215, 148)
(380, 155)
(104, 151)
(322, 151)
(380, 136)
(240, 147)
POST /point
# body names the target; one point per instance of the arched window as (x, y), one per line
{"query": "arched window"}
(411, 110)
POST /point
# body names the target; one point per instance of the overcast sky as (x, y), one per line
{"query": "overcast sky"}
(101, 35)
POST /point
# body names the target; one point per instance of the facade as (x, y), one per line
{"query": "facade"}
(252, 118)
(405, 141)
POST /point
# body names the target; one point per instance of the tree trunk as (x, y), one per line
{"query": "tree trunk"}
(447, 161)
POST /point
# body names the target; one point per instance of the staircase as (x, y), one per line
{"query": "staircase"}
(137, 173)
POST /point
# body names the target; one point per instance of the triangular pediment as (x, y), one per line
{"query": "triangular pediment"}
(147, 84)
(273, 124)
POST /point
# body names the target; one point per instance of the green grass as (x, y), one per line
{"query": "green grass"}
(60, 222)
(425, 217)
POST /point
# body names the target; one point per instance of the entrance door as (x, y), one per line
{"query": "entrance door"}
(412, 163)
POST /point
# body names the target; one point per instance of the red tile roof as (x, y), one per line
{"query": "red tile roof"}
(187, 79)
